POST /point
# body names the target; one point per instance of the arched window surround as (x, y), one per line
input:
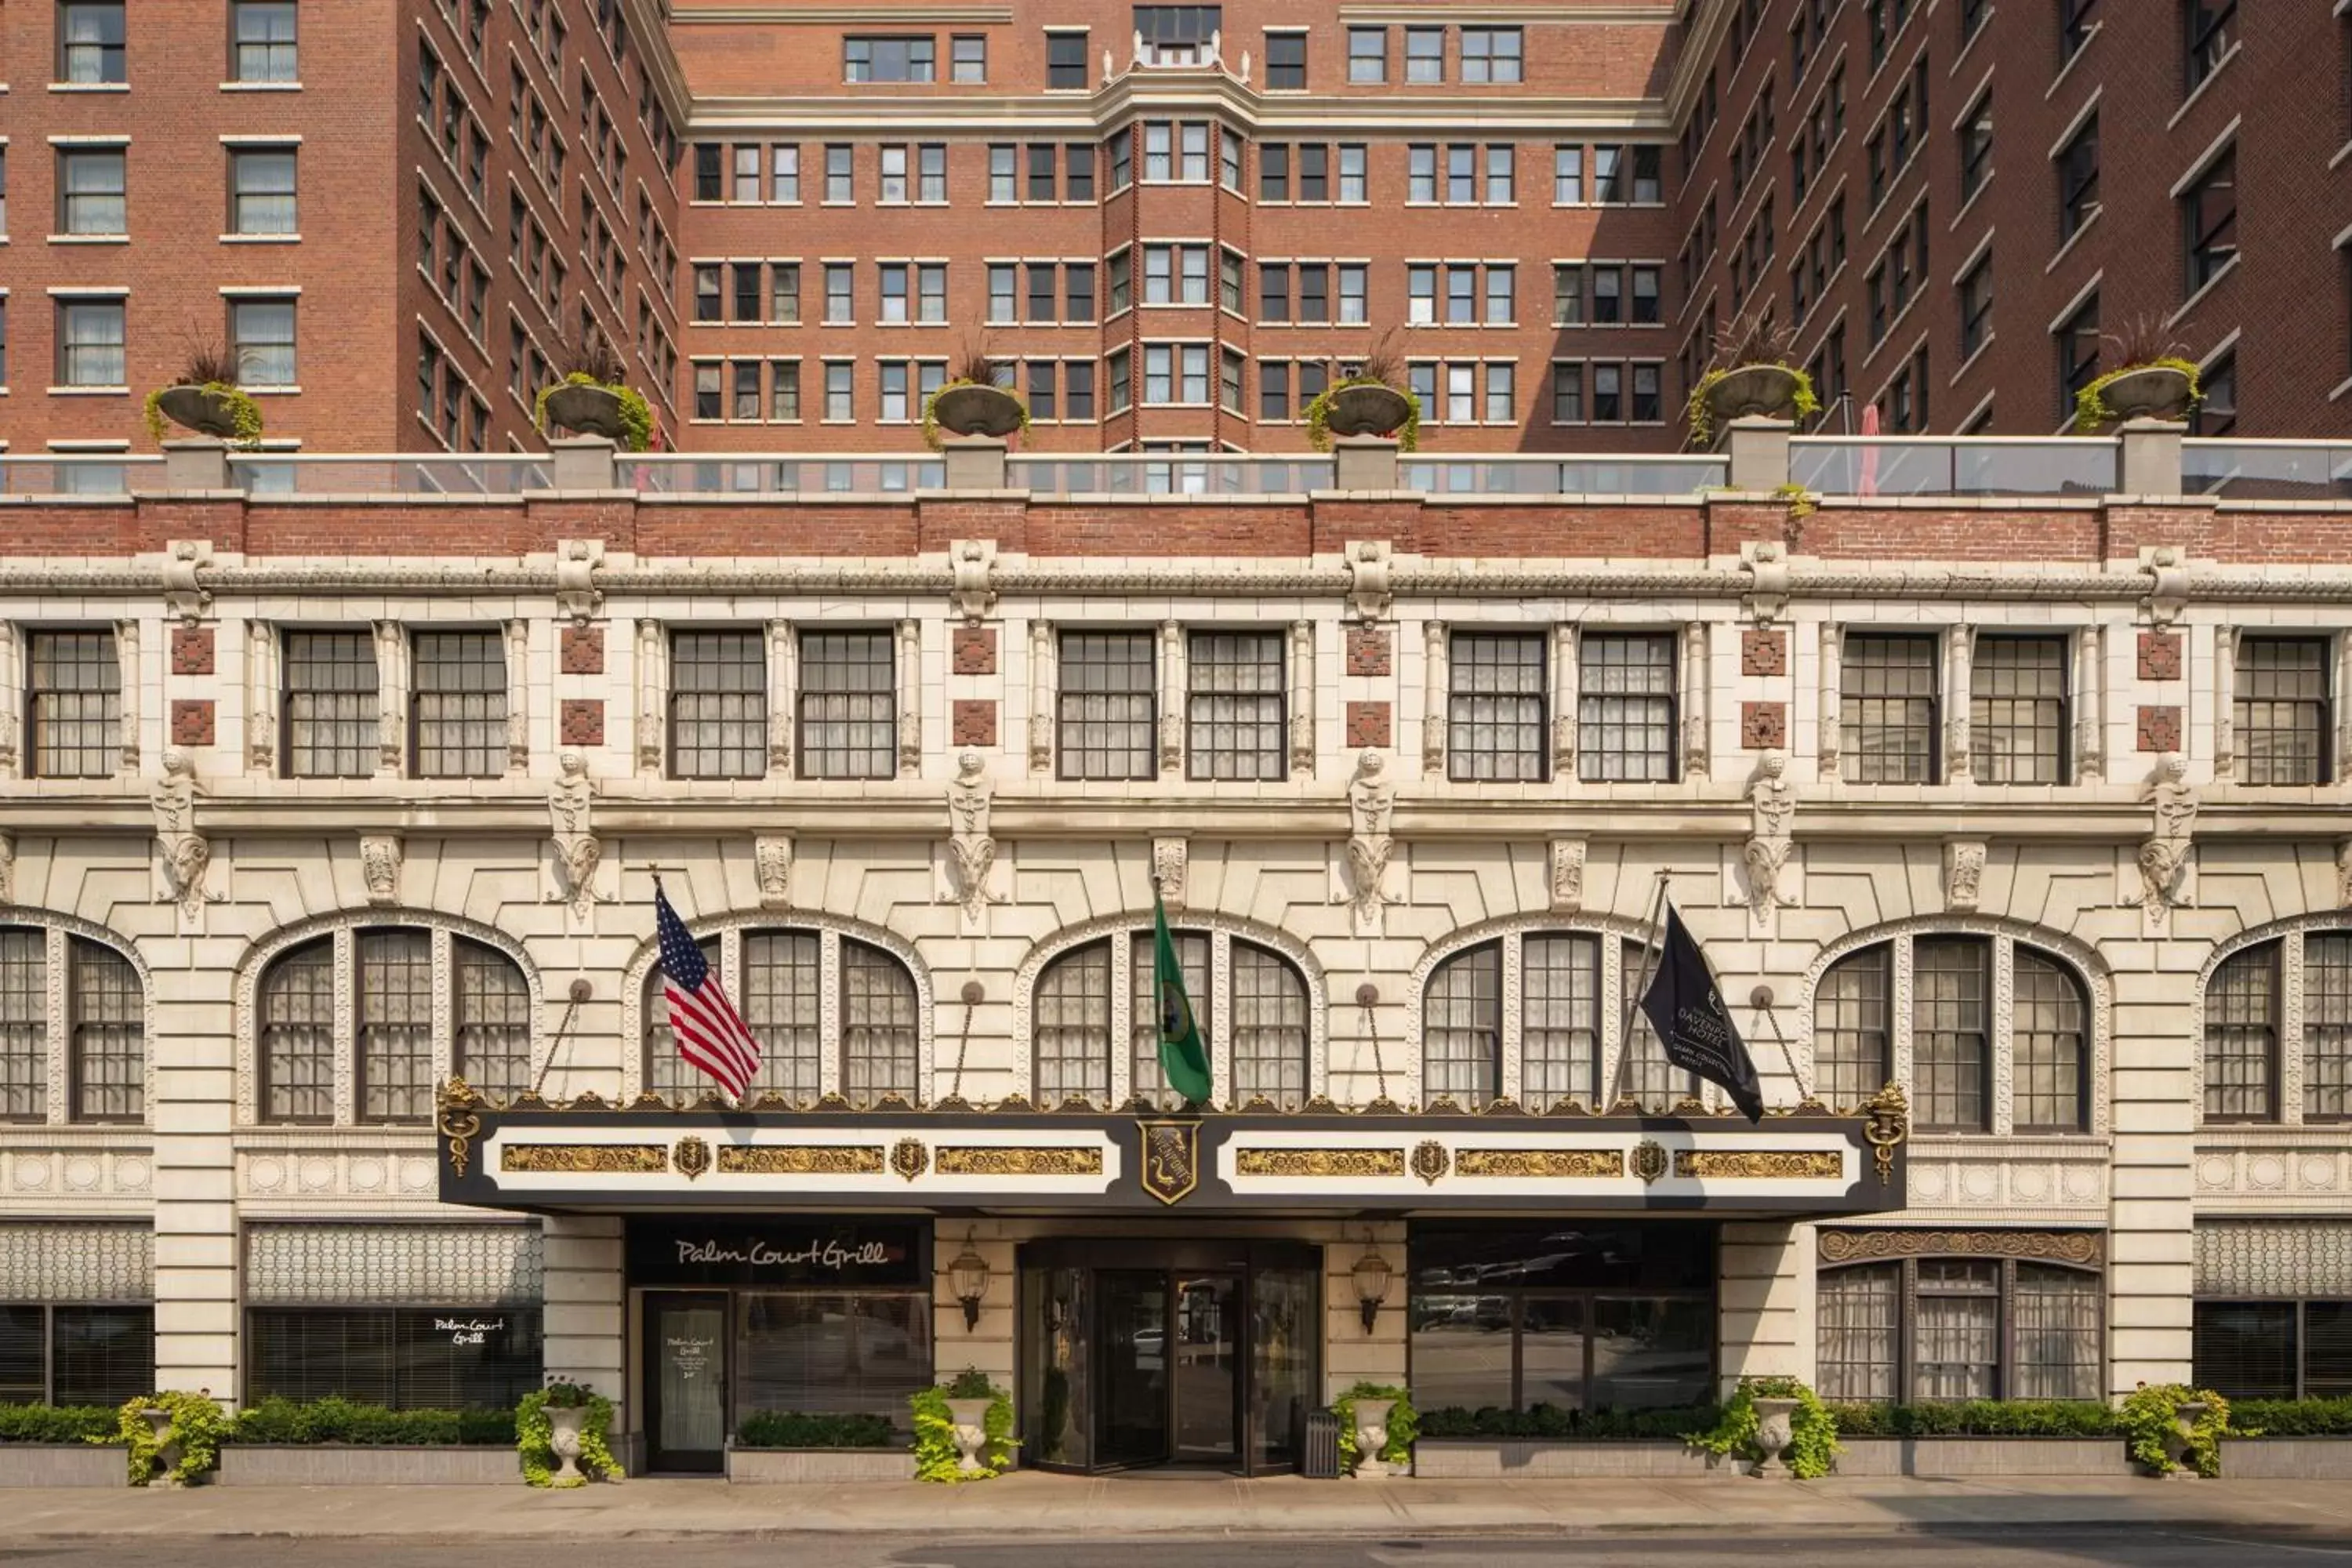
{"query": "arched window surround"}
(729, 932)
(2288, 1067)
(58, 930)
(2005, 937)
(1222, 932)
(1404, 1057)
(344, 928)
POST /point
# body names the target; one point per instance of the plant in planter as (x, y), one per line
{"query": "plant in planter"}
(1373, 399)
(1809, 1439)
(799, 1429)
(1750, 373)
(2167, 1425)
(962, 1432)
(562, 1431)
(1399, 1426)
(2154, 380)
(594, 397)
(205, 398)
(172, 1437)
(60, 1423)
(970, 403)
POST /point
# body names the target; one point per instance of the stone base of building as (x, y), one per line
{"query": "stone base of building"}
(1940, 1459)
(826, 1467)
(62, 1465)
(339, 1465)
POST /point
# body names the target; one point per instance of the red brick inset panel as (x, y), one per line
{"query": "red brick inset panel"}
(1763, 726)
(192, 650)
(974, 650)
(2159, 656)
(1367, 724)
(192, 722)
(582, 723)
(974, 721)
(1367, 650)
(1763, 653)
(2159, 729)
(583, 650)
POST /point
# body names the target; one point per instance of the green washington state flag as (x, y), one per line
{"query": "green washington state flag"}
(1182, 1057)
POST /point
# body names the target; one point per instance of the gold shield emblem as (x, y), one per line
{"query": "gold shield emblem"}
(1649, 1161)
(692, 1157)
(1171, 1158)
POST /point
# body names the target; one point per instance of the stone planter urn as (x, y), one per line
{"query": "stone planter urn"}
(970, 1417)
(566, 1422)
(1769, 390)
(971, 408)
(1774, 1431)
(2148, 392)
(587, 410)
(2185, 1413)
(1371, 1436)
(1367, 409)
(200, 409)
(167, 1447)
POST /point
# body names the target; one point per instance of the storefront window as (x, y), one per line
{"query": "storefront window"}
(835, 1353)
(2275, 1350)
(1571, 1317)
(76, 1355)
(1955, 1328)
(406, 1358)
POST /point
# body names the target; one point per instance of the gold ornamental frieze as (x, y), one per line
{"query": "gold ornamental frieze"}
(1555, 1165)
(1320, 1162)
(2085, 1247)
(586, 1159)
(982, 1160)
(1761, 1164)
(800, 1159)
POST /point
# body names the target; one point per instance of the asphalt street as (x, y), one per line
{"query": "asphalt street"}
(2067, 1548)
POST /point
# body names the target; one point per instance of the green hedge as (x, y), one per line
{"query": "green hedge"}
(803, 1429)
(1982, 1418)
(2292, 1417)
(332, 1420)
(1547, 1421)
(57, 1424)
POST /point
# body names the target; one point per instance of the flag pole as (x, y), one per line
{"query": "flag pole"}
(1159, 1002)
(1632, 997)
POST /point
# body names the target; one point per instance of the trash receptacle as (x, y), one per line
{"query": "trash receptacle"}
(1320, 1462)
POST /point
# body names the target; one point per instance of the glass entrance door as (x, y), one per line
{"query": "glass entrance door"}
(686, 1382)
(1284, 1332)
(1131, 1426)
(1208, 1368)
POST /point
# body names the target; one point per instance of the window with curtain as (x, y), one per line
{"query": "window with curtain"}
(1559, 1020)
(1856, 1313)
(666, 1072)
(1462, 1028)
(90, 342)
(2050, 1033)
(1651, 1080)
(24, 1025)
(1143, 1017)
(298, 1035)
(493, 1021)
(1950, 1327)
(1853, 1059)
(2327, 1027)
(719, 705)
(91, 42)
(1950, 1026)
(879, 1034)
(394, 976)
(1071, 1023)
(848, 705)
(75, 699)
(2242, 1036)
(780, 1003)
(76, 1353)
(332, 694)
(107, 1015)
(1268, 1028)
(264, 41)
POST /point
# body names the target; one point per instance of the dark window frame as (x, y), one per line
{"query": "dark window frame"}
(1908, 1292)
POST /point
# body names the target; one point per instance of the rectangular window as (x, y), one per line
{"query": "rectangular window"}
(1041, 389)
(1106, 705)
(1043, 167)
(1078, 391)
(1567, 391)
(1609, 395)
(840, 400)
(784, 391)
(2017, 709)
(2281, 708)
(1887, 719)
(1354, 309)
(458, 712)
(1274, 291)
(1273, 391)
(1065, 61)
(74, 698)
(1649, 406)
(1491, 54)
(1950, 1031)
(1501, 174)
(890, 174)
(2209, 221)
(1502, 396)
(1235, 708)
(1626, 707)
(330, 705)
(1460, 175)
(1495, 703)
(405, 1358)
(90, 191)
(2078, 353)
(1368, 55)
(1229, 161)
(1004, 172)
(1273, 172)
(1078, 291)
(848, 719)
(840, 185)
(261, 190)
(90, 42)
(2209, 29)
(888, 58)
(1425, 54)
(719, 705)
(784, 293)
(2078, 180)
(1567, 176)
(261, 341)
(785, 172)
(1975, 148)
(839, 296)
(1120, 366)
(261, 34)
(1044, 290)
(1285, 62)
(1314, 172)
(1976, 307)
(1078, 172)
(968, 55)
(749, 296)
(1354, 182)
(1955, 1329)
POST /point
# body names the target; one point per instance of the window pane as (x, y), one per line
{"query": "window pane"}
(1236, 706)
(1651, 1353)
(1143, 1009)
(781, 1007)
(493, 1045)
(330, 705)
(1106, 706)
(1956, 1334)
(833, 1353)
(1651, 1080)
(848, 703)
(1850, 1062)
(1462, 1028)
(396, 1025)
(1856, 1311)
(1559, 1020)
(102, 1355)
(1073, 1028)
(2049, 1033)
(1552, 1352)
(394, 1356)
(879, 1027)
(461, 705)
(2326, 1025)
(2326, 1350)
(719, 705)
(2017, 709)
(1461, 1351)
(2281, 708)
(1268, 1028)
(1948, 1032)
(76, 693)
(298, 1035)
(2058, 1315)
(24, 1025)
(1625, 709)
(25, 1354)
(109, 1034)
(2246, 1349)
(1496, 707)
(2241, 1036)
(1888, 715)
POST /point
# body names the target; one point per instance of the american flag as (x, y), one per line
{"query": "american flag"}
(710, 1034)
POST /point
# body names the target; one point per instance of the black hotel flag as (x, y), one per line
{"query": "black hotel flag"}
(1686, 1010)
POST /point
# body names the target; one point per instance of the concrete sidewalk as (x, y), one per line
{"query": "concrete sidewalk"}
(1033, 1504)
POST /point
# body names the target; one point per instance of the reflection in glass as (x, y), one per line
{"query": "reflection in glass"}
(834, 1352)
(1552, 1352)
(1650, 1353)
(1461, 1351)
(1283, 1331)
(1055, 1390)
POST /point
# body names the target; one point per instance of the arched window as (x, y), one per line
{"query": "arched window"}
(403, 1041)
(1957, 1327)
(1651, 1080)
(1559, 1032)
(780, 979)
(1253, 1005)
(1462, 1028)
(102, 1024)
(2253, 1050)
(1562, 1043)
(1950, 1036)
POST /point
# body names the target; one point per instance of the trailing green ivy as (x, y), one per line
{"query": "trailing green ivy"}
(937, 1455)
(2149, 1418)
(535, 1433)
(1404, 1425)
(1812, 1443)
(2091, 414)
(814, 1430)
(1701, 418)
(244, 413)
(198, 1424)
(636, 414)
(60, 1423)
(1318, 414)
(282, 1421)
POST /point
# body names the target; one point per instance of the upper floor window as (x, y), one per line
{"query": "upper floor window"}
(97, 1014)
(2077, 340)
(1108, 705)
(968, 57)
(90, 42)
(1495, 706)
(1250, 1003)
(403, 1041)
(2256, 1035)
(1491, 54)
(92, 195)
(2077, 21)
(2209, 221)
(1953, 1036)
(261, 198)
(2209, 29)
(262, 42)
(2078, 180)
(719, 705)
(1285, 61)
(2280, 708)
(1425, 54)
(1976, 147)
(1563, 1039)
(90, 341)
(1368, 55)
(1888, 708)
(1959, 1327)
(848, 705)
(1176, 35)
(1234, 706)
(1626, 707)
(1066, 60)
(74, 697)
(458, 707)
(889, 59)
(2018, 725)
(330, 705)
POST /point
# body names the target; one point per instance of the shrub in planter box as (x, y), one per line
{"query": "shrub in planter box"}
(800, 1429)
(1550, 1423)
(278, 1420)
(1981, 1418)
(2291, 1417)
(59, 1423)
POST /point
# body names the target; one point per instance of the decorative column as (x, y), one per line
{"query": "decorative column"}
(650, 691)
(2091, 705)
(1959, 663)
(782, 699)
(260, 698)
(2225, 702)
(910, 698)
(126, 644)
(1831, 727)
(519, 682)
(1435, 679)
(1764, 1301)
(1040, 698)
(1564, 673)
(12, 702)
(196, 1226)
(1302, 700)
(1171, 700)
(391, 699)
(1699, 679)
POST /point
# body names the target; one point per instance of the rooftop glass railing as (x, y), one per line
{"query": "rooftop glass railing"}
(1516, 475)
(676, 474)
(1961, 466)
(2267, 470)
